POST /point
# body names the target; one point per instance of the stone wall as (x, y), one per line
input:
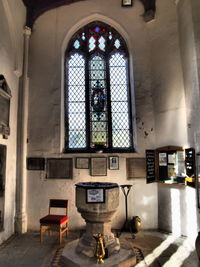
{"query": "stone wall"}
(178, 206)
(12, 19)
(51, 33)
(158, 85)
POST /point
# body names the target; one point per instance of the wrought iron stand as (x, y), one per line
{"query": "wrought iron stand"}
(126, 226)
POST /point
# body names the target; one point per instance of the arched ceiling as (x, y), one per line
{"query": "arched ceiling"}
(37, 7)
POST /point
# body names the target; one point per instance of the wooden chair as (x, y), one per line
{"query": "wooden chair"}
(53, 222)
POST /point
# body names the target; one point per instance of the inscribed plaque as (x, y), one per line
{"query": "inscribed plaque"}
(95, 195)
(98, 167)
(59, 168)
(136, 168)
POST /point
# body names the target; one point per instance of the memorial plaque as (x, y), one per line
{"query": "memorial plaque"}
(35, 164)
(5, 96)
(135, 168)
(59, 168)
(150, 166)
(2, 168)
(98, 167)
(82, 163)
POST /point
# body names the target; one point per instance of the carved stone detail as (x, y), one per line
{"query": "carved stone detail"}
(5, 95)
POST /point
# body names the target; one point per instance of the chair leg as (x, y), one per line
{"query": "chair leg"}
(60, 236)
(66, 231)
(41, 234)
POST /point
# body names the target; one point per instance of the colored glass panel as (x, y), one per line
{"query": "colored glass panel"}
(117, 43)
(98, 103)
(92, 43)
(83, 36)
(102, 43)
(97, 29)
(76, 44)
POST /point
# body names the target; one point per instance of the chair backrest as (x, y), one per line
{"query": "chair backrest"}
(58, 203)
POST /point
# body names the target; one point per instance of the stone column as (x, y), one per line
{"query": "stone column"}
(22, 123)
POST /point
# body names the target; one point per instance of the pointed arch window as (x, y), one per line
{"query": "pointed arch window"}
(97, 95)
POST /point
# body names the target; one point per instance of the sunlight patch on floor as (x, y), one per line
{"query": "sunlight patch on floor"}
(149, 259)
(182, 253)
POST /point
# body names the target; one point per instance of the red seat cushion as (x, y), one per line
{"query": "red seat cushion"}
(54, 219)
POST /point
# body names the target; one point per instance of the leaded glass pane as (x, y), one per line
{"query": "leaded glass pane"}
(76, 93)
(121, 138)
(119, 92)
(76, 102)
(77, 44)
(83, 36)
(102, 43)
(99, 139)
(77, 139)
(98, 103)
(119, 102)
(101, 117)
(92, 43)
(120, 121)
(117, 43)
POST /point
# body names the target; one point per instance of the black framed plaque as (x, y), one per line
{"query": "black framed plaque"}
(95, 195)
(58, 168)
(150, 166)
(35, 164)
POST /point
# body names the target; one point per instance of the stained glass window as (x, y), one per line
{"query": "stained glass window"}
(102, 43)
(97, 94)
(117, 43)
(92, 43)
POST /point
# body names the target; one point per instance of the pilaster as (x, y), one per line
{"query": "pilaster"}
(21, 214)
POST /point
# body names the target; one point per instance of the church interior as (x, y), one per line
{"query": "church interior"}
(97, 95)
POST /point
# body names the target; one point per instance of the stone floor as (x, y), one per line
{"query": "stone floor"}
(159, 249)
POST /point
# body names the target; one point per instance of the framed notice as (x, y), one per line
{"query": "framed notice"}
(59, 168)
(150, 166)
(113, 163)
(95, 195)
(82, 163)
(98, 166)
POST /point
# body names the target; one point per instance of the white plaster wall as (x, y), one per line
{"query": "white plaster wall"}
(167, 79)
(12, 19)
(45, 98)
(159, 99)
(177, 210)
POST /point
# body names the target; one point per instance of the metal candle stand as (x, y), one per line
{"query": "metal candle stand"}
(126, 227)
